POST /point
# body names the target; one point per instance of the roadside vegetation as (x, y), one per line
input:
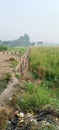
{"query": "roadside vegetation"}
(36, 97)
(44, 65)
(4, 80)
(32, 97)
(14, 62)
(3, 48)
(21, 50)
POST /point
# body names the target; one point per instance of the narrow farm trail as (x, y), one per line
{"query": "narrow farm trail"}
(8, 92)
(10, 89)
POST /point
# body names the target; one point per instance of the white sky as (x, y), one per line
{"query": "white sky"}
(38, 18)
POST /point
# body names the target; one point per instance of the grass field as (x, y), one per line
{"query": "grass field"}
(44, 64)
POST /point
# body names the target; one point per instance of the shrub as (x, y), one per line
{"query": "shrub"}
(4, 80)
(34, 98)
(29, 87)
(3, 48)
(18, 76)
(14, 63)
(7, 76)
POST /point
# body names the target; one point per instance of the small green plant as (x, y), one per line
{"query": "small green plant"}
(4, 80)
(3, 84)
(49, 127)
(17, 75)
(14, 62)
(3, 48)
(7, 76)
(29, 87)
(36, 97)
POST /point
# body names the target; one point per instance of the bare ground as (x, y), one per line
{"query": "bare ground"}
(10, 89)
(5, 64)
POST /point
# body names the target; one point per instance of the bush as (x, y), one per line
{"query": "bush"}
(14, 63)
(4, 80)
(7, 76)
(37, 97)
(3, 48)
(17, 75)
(34, 98)
(29, 87)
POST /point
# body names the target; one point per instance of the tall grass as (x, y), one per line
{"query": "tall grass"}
(44, 63)
(4, 80)
(36, 97)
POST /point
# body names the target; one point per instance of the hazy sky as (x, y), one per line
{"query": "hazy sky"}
(38, 18)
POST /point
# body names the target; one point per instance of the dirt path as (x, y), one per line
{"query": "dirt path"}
(10, 89)
(5, 63)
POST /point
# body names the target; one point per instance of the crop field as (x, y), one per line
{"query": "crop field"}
(44, 65)
(44, 62)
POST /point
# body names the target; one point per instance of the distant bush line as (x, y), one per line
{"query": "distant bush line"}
(3, 48)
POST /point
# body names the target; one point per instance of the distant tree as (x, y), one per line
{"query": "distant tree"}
(27, 38)
(33, 43)
(3, 48)
(5, 43)
(24, 40)
(1, 42)
(39, 43)
(21, 41)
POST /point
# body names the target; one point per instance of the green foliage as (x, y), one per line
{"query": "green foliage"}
(49, 127)
(36, 97)
(14, 63)
(4, 80)
(29, 87)
(44, 63)
(18, 75)
(7, 76)
(21, 41)
(3, 48)
(3, 84)
(22, 50)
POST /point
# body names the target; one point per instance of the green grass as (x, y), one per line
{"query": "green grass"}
(3, 48)
(44, 63)
(17, 75)
(14, 63)
(4, 80)
(36, 97)
(21, 50)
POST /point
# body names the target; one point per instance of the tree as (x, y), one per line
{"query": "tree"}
(26, 37)
(33, 43)
(39, 43)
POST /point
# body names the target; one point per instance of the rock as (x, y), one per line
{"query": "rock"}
(10, 98)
